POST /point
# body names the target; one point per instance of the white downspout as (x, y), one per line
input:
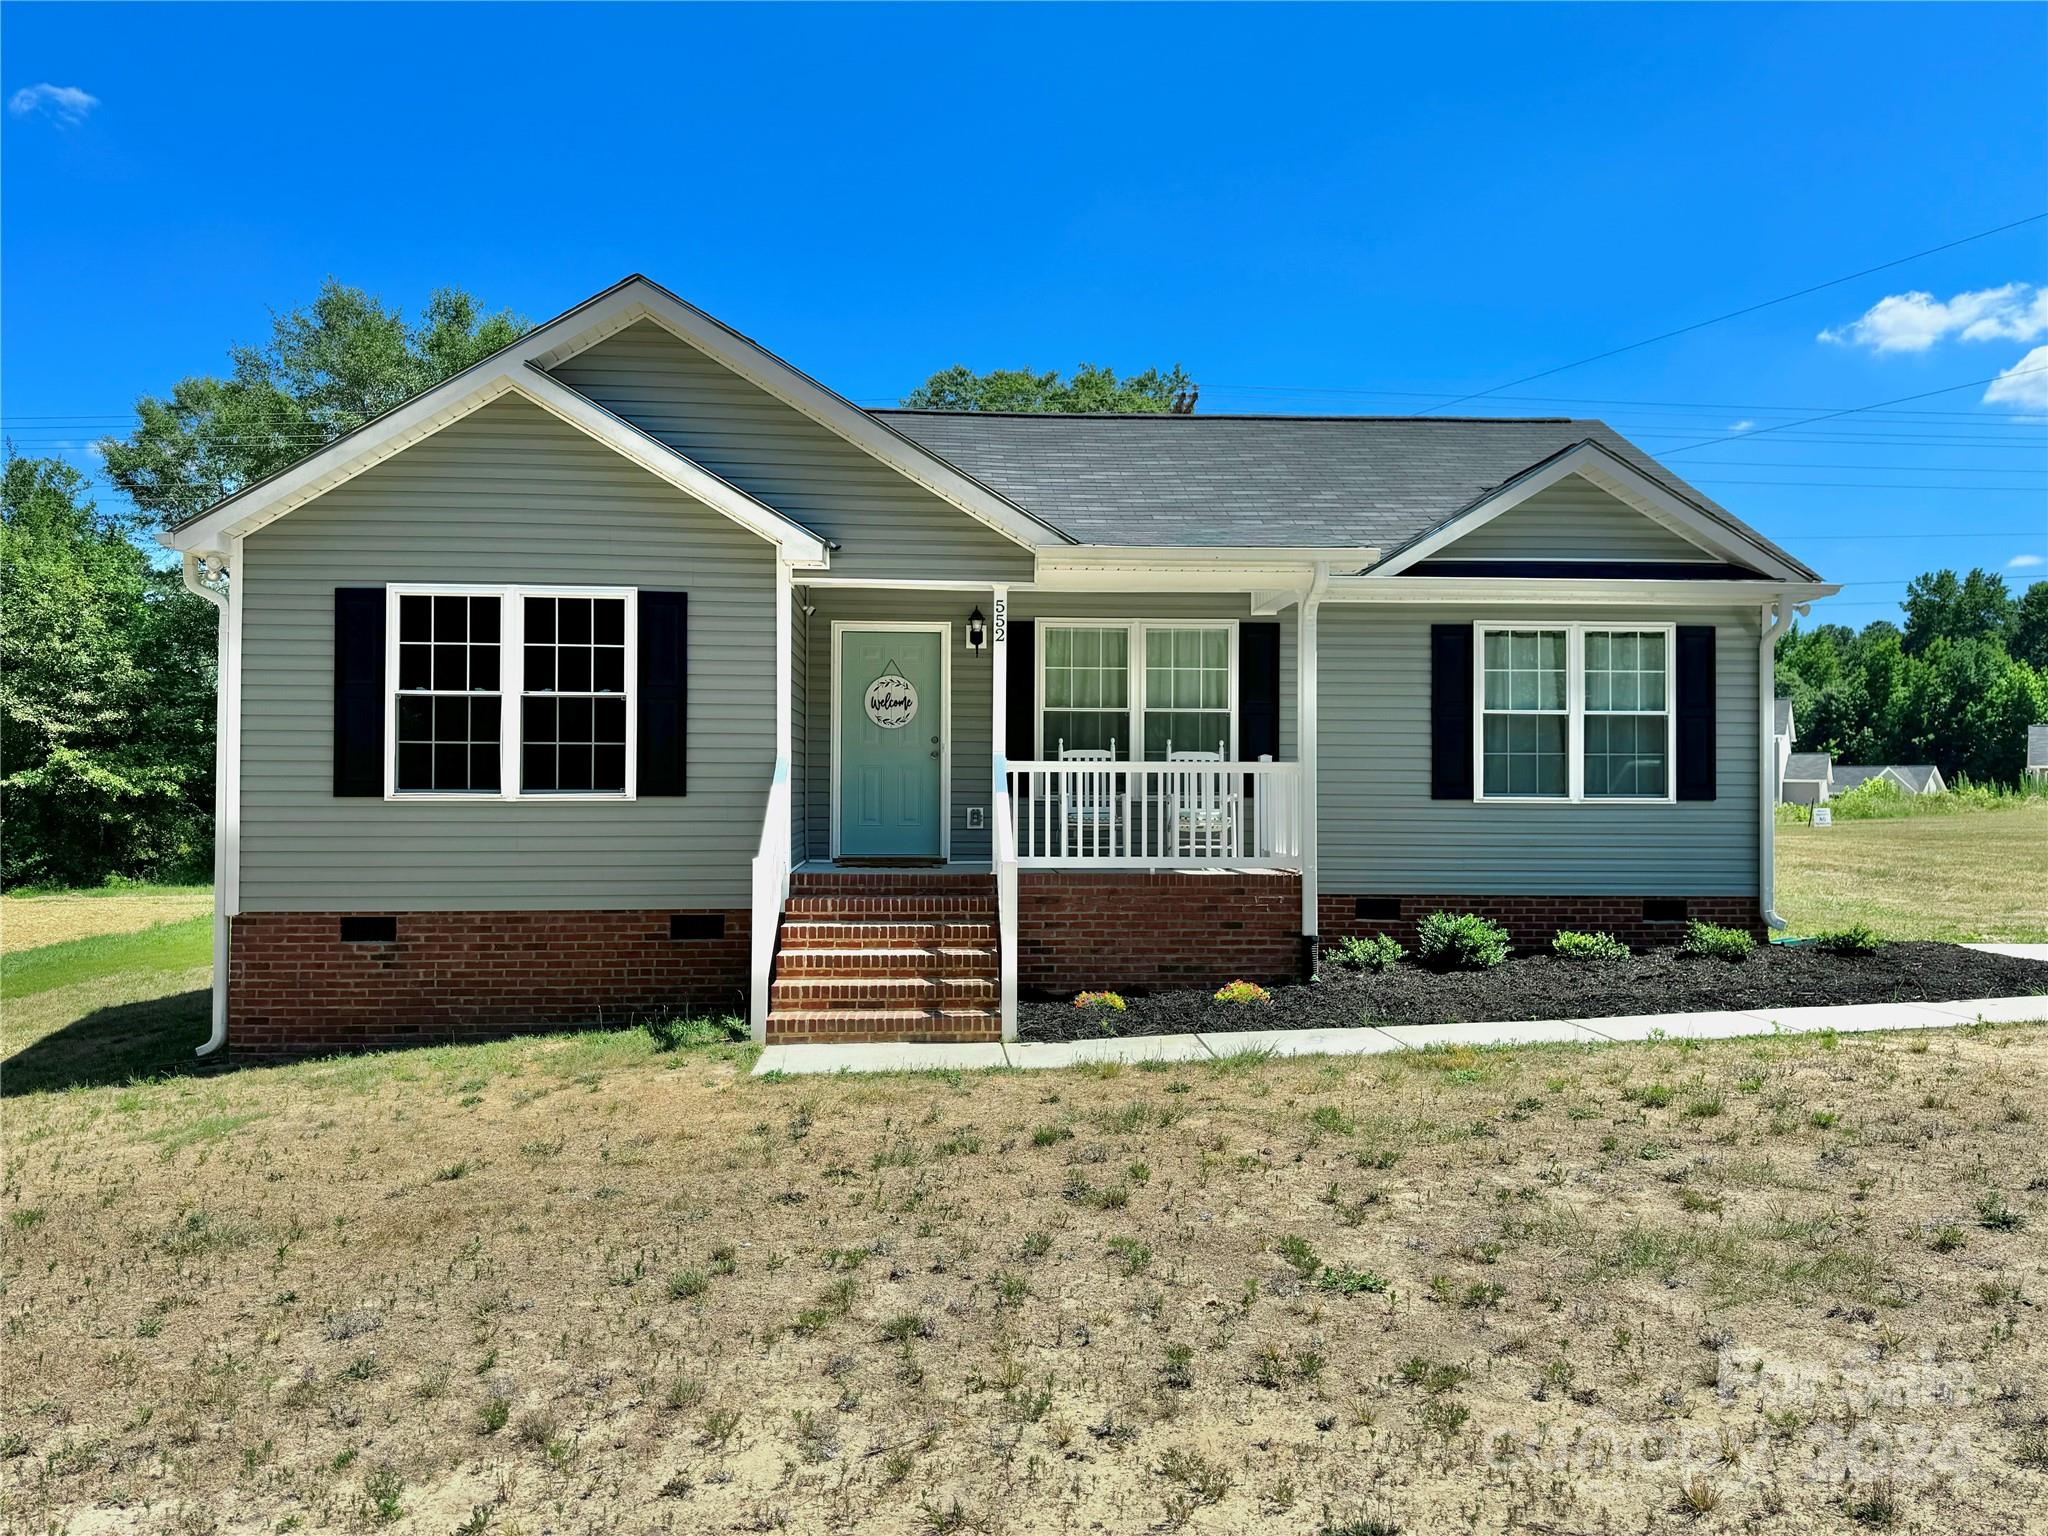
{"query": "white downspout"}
(1774, 619)
(195, 576)
(1305, 666)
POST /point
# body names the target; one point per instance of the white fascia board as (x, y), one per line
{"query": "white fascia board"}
(1619, 479)
(1275, 574)
(639, 298)
(422, 417)
(1467, 591)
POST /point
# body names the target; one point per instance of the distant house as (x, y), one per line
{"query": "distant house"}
(2037, 751)
(1807, 778)
(1913, 778)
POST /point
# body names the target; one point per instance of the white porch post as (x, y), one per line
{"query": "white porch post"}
(1305, 669)
(1001, 834)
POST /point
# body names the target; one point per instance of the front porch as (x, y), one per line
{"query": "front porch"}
(1108, 782)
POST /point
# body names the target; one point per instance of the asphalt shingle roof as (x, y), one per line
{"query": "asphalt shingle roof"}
(1783, 716)
(1807, 766)
(1340, 481)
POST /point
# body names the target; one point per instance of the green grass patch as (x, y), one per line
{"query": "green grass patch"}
(165, 947)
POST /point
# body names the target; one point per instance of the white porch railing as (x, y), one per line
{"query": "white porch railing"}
(1201, 815)
(1005, 834)
(771, 889)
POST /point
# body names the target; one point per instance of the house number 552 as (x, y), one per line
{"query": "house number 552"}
(1001, 627)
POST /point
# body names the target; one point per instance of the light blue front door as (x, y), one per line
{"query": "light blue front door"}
(891, 708)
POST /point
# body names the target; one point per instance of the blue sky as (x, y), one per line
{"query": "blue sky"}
(1346, 210)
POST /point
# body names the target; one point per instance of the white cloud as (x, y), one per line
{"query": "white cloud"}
(66, 103)
(2024, 384)
(1744, 425)
(2023, 562)
(1913, 322)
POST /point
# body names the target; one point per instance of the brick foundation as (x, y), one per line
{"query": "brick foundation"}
(1531, 921)
(1139, 929)
(295, 988)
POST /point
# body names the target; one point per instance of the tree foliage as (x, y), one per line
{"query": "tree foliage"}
(106, 661)
(1957, 687)
(1019, 389)
(106, 693)
(329, 367)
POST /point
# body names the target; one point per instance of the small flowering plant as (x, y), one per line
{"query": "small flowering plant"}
(1099, 1002)
(1242, 992)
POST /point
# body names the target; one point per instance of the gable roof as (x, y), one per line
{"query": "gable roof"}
(1808, 767)
(1781, 716)
(2037, 746)
(497, 376)
(1241, 481)
(521, 365)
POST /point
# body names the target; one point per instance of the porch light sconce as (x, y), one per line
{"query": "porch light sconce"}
(977, 631)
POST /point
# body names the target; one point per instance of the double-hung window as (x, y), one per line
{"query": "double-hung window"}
(449, 710)
(1574, 712)
(1161, 687)
(511, 692)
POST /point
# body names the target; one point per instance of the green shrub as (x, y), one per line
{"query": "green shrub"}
(1716, 942)
(1241, 992)
(1569, 945)
(1465, 942)
(1378, 953)
(1856, 940)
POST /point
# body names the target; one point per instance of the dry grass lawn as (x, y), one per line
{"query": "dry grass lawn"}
(50, 917)
(1974, 875)
(576, 1285)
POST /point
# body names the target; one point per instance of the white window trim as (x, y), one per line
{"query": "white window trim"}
(511, 689)
(1138, 631)
(1575, 710)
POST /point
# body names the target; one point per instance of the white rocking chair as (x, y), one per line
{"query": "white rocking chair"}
(1090, 804)
(1204, 807)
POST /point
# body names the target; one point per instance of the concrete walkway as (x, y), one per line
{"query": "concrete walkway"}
(1851, 1018)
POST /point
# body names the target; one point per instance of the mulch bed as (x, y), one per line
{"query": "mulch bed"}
(1545, 987)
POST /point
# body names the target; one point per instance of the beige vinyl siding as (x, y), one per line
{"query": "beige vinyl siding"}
(1572, 520)
(1381, 833)
(885, 524)
(508, 494)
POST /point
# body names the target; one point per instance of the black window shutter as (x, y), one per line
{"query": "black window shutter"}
(664, 692)
(359, 691)
(1258, 691)
(1450, 711)
(1021, 742)
(1695, 683)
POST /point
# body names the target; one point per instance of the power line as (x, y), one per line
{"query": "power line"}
(2011, 373)
(1736, 314)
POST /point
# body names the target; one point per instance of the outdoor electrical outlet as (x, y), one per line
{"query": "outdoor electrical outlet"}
(974, 821)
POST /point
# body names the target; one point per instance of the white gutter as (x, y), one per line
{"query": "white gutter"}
(195, 576)
(1305, 731)
(1776, 615)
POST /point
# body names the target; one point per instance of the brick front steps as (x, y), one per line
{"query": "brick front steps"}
(887, 955)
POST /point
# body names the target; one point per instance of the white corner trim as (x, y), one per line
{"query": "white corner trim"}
(640, 298)
(1620, 479)
(444, 405)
